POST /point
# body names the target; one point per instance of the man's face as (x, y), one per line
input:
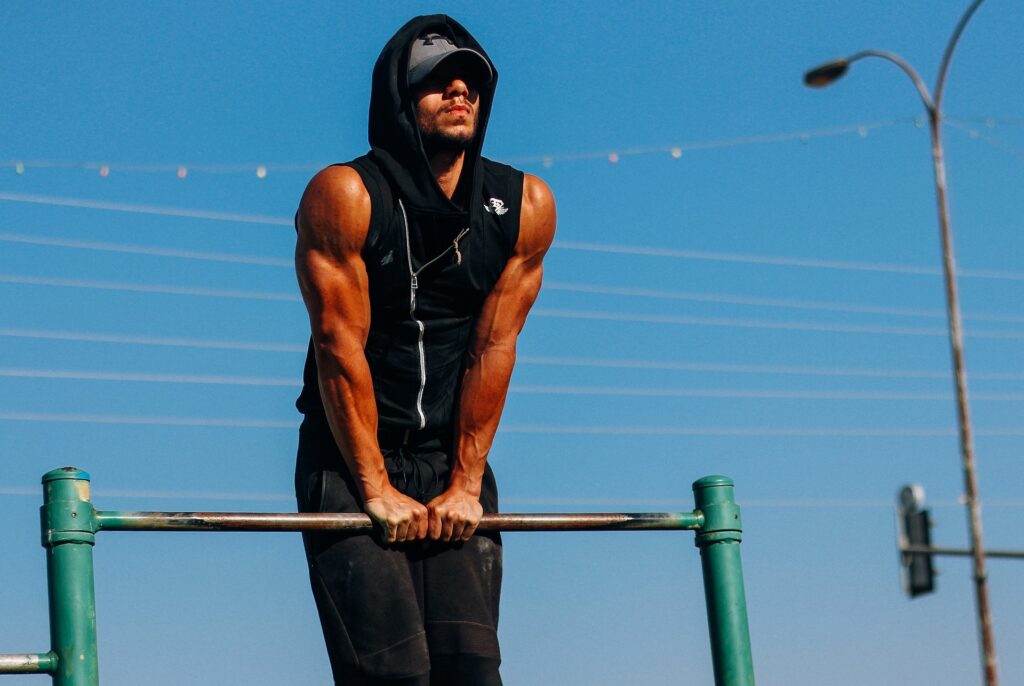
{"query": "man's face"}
(446, 110)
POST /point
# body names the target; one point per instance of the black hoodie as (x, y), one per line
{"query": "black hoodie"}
(420, 325)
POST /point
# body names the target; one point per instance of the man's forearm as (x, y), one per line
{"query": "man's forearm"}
(346, 388)
(484, 388)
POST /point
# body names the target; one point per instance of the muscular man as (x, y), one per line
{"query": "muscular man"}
(418, 263)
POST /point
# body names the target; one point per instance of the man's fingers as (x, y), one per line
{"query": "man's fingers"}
(434, 525)
(418, 526)
(467, 533)
(421, 527)
(398, 528)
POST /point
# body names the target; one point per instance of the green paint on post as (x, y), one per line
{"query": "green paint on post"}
(69, 532)
(719, 543)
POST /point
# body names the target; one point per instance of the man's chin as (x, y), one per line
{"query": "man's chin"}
(447, 141)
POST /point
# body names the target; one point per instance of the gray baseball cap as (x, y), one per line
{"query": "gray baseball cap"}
(430, 50)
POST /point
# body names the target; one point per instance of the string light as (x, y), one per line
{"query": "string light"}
(548, 160)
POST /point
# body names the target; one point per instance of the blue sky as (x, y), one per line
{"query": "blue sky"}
(766, 305)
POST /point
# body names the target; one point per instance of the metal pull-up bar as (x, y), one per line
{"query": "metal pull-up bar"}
(70, 524)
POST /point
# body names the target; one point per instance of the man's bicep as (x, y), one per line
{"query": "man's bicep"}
(332, 223)
(505, 309)
(336, 294)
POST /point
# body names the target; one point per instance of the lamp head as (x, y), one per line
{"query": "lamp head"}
(826, 74)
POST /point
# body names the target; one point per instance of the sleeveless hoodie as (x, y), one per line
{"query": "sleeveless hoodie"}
(431, 261)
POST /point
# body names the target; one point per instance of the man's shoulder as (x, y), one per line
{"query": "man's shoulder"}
(341, 181)
(537, 227)
(336, 201)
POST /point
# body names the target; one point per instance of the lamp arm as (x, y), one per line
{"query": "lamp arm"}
(922, 89)
(940, 82)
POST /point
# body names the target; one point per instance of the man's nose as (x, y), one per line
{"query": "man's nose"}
(457, 87)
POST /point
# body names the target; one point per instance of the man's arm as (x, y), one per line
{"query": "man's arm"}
(455, 514)
(333, 220)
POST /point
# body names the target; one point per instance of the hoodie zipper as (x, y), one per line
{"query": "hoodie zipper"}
(413, 286)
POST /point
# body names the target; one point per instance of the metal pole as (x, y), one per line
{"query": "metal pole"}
(69, 533)
(719, 543)
(827, 74)
(956, 345)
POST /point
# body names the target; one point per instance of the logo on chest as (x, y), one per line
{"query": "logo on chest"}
(495, 206)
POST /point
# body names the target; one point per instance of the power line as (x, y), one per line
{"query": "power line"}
(169, 341)
(753, 394)
(782, 370)
(526, 389)
(535, 389)
(763, 432)
(145, 209)
(753, 369)
(144, 250)
(221, 422)
(765, 324)
(643, 503)
(92, 337)
(146, 377)
(783, 261)
(580, 246)
(557, 286)
(768, 302)
(147, 288)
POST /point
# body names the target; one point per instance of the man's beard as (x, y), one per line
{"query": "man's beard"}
(439, 142)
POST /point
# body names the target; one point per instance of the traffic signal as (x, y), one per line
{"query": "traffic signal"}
(915, 530)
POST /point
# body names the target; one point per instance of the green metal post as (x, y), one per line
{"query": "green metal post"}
(69, 532)
(719, 543)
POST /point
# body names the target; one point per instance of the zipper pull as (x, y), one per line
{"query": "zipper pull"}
(458, 253)
(415, 282)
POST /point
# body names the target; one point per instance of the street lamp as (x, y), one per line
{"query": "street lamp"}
(827, 74)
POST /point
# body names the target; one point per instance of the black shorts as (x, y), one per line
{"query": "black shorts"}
(390, 611)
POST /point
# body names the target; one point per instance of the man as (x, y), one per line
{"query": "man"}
(418, 263)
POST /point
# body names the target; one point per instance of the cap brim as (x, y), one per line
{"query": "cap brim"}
(477, 68)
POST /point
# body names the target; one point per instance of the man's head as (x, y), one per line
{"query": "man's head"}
(444, 81)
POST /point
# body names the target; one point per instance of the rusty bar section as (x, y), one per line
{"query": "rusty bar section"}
(264, 521)
(28, 663)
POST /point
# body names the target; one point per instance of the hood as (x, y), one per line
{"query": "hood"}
(395, 137)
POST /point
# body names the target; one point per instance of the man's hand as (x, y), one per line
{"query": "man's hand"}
(454, 515)
(400, 518)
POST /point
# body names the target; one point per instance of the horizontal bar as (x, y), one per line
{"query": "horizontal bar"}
(28, 663)
(290, 521)
(964, 552)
